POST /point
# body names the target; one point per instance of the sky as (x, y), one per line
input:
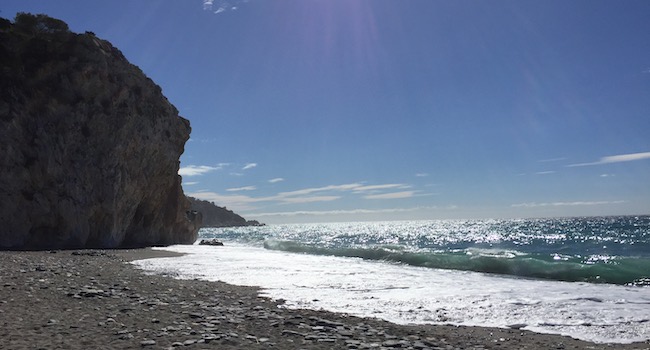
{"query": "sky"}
(357, 110)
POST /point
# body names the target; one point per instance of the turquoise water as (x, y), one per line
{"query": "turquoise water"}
(597, 250)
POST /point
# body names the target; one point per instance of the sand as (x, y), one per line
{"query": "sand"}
(93, 299)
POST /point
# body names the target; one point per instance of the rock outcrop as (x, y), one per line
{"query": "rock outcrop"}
(212, 242)
(89, 146)
(215, 216)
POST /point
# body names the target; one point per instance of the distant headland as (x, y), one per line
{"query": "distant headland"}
(215, 216)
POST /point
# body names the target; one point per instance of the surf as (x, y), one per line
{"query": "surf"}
(623, 271)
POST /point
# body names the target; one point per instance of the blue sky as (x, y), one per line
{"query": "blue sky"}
(346, 110)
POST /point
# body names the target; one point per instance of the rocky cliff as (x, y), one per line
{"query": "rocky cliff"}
(215, 216)
(89, 146)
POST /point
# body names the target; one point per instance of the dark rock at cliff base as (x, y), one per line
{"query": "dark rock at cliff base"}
(89, 146)
(213, 242)
(216, 216)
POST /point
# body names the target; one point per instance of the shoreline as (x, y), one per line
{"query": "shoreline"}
(97, 299)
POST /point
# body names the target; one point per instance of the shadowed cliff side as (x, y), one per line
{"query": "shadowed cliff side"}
(89, 145)
(215, 216)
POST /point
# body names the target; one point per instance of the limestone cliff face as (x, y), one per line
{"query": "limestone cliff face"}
(89, 146)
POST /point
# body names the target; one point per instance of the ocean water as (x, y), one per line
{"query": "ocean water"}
(588, 278)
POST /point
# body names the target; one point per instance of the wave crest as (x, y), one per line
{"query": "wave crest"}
(616, 271)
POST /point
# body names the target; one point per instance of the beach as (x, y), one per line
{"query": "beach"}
(96, 299)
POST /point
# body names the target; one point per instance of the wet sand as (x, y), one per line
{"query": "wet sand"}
(95, 299)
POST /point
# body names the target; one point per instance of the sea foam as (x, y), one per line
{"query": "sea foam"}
(410, 294)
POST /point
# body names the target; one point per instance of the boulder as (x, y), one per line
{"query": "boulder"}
(211, 242)
(89, 146)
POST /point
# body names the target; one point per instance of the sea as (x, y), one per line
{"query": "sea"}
(588, 278)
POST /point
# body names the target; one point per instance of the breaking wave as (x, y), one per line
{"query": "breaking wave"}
(633, 271)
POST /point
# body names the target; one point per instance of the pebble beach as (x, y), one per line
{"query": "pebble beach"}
(96, 299)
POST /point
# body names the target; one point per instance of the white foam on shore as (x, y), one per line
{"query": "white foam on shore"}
(406, 294)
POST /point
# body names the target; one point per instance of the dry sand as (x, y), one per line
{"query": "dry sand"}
(91, 299)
